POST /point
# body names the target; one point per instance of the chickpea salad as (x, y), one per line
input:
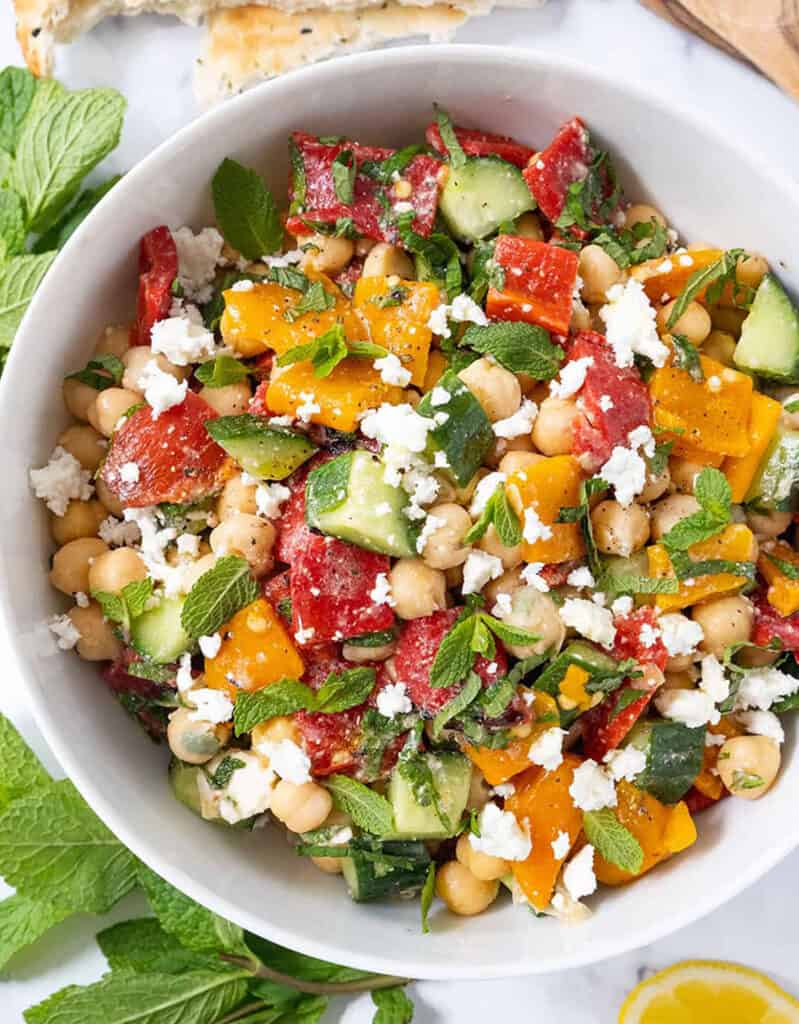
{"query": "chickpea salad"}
(444, 516)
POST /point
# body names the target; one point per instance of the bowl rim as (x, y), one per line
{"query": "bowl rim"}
(727, 885)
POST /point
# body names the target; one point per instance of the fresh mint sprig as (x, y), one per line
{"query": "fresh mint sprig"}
(499, 513)
(328, 350)
(245, 210)
(714, 495)
(519, 347)
(221, 372)
(471, 635)
(712, 280)
(217, 595)
(612, 840)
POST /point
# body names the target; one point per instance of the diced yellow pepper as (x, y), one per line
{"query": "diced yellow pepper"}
(402, 328)
(668, 275)
(783, 592)
(437, 366)
(712, 414)
(680, 831)
(572, 687)
(353, 387)
(735, 543)
(255, 321)
(545, 488)
(763, 419)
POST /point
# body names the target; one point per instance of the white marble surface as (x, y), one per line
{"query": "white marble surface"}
(150, 60)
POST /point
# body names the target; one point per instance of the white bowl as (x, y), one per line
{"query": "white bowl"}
(710, 189)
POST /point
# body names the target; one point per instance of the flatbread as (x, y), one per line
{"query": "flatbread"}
(245, 46)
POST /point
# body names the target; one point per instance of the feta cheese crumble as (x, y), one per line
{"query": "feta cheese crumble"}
(578, 875)
(761, 687)
(625, 472)
(630, 325)
(307, 408)
(392, 371)
(713, 682)
(531, 576)
(680, 634)
(461, 310)
(117, 534)
(625, 763)
(286, 760)
(248, 792)
(501, 835)
(129, 473)
(209, 645)
(592, 787)
(484, 492)
(571, 378)
(762, 723)
(161, 390)
(431, 524)
(561, 845)
(381, 592)
(393, 700)
(184, 680)
(589, 619)
(439, 396)
(182, 341)
(693, 708)
(66, 632)
(534, 529)
(478, 569)
(269, 498)
(582, 577)
(198, 256)
(547, 749)
(62, 480)
(520, 423)
(212, 706)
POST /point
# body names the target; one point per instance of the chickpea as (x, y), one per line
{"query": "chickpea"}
(463, 495)
(619, 530)
(482, 865)
(515, 461)
(78, 398)
(107, 497)
(454, 577)
(236, 497)
(418, 589)
(728, 318)
(113, 340)
(508, 583)
(357, 654)
(444, 547)
(755, 657)
(685, 679)
(751, 270)
(71, 564)
(529, 226)
(727, 620)
(464, 894)
(109, 407)
(748, 765)
(86, 444)
(326, 254)
(273, 730)
(193, 742)
(503, 445)
(81, 519)
(669, 511)
(768, 525)
(386, 260)
(300, 808)
(642, 213)
(495, 388)
(581, 317)
(135, 361)
(115, 569)
(491, 544)
(684, 473)
(538, 613)
(553, 430)
(197, 569)
(231, 400)
(249, 536)
(694, 324)
(97, 640)
(719, 345)
(364, 246)
(599, 272)
(655, 486)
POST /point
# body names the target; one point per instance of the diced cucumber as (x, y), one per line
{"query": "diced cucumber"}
(482, 194)
(674, 757)
(776, 483)
(376, 870)
(183, 780)
(349, 499)
(578, 653)
(769, 343)
(158, 634)
(465, 436)
(451, 774)
(270, 453)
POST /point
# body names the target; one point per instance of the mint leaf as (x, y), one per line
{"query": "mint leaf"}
(509, 634)
(457, 157)
(660, 459)
(628, 583)
(687, 357)
(428, 894)
(197, 997)
(245, 210)
(217, 595)
(281, 698)
(344, 171)
(19, 279)
(300, 966)
(344, 690)
(612, 840)
(519, 347)
(111, 371)
(455, 656)
(60, 233)
(221, 372)
(625, 699)
(712, 491)
(324, 352)
(625, 246)
(714, 495)
(21, 772)
(143, 947)
(393, 1006)
(498, 511)
(289, 277)
(12, 223)
(17, 88)
(314, 300)
(786, 568)
(368, 809)
(128, 604)
(59, 144)
(54, 848)
(716, 274)
(24, 920)
(471, 689)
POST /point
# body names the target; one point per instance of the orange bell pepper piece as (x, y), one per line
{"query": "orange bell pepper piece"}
(500, 765)
(542, 799)
(734, 544)
(572, 687)
(668, 275)
(437, 366)
(712, 414)
(783, 592)
(256, 651)
(763, 420)
(402, 329)
(546, 487)
(660, 830)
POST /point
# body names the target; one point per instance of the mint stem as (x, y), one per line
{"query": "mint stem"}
(316, 988)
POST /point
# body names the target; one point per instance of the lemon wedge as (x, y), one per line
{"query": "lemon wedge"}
(709, 992)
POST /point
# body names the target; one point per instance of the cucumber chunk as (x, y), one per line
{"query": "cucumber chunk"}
(158, 634)
(376, 870)
(674, 757)
(452, 775)
(264, 451)
(769, 343)
(183, 780)
(482, 194)
(349, 499)
(466, 435)
(776, 483)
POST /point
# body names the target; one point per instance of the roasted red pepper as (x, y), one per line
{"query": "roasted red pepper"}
(158, 268)
(475, 143)
(538, 286)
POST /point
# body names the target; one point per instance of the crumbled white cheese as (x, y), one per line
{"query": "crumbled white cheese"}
(398, 426)
(381, 591)
(245, 285)
(630, 325)
(504, 789)
(534, 529)
(531, 576)
(501, 835)
(625, 763)
(247, 793)
(81, 599)
(713, 682)
(625, 472)
(571, 377)
(129, 473)
(578, 875)
(642, 437)
(286, 760)
(62, 480)
(592, 787)
(440, 460)
(478, 569)
(184, 680)
(648, 635)
(547, 749)
(713, 739)
(117, 534)
(762, 723)
(761, 687)
(161, 389)
(66, 632)
(582, 577)
(212, 706)
(269, 498)
(188, 544)
(590, 620)
(209, 645)
(392, 371)
(182, 341)
(520, 423)
(605, 403)
(440, 396)
(308, 408)
(681, 635)
(622, 605)
(503, 605)
(393, 700)
(462, 309)
(284, 259)
(484, 492)
(431, 524)
(198, 256)
(561, 845)
(693, 708)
